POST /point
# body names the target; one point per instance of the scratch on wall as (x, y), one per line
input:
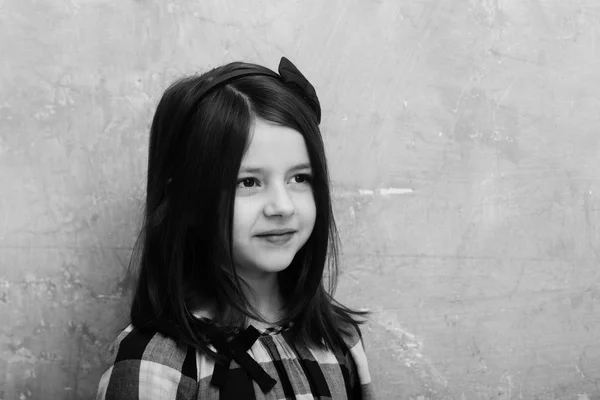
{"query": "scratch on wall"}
(408, 347)
(370, 192)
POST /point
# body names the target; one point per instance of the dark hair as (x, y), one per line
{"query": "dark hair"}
(197, 141)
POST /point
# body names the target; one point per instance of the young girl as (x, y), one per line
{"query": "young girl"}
(230, 300)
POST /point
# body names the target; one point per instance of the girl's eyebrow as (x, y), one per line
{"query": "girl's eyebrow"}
(256, 170)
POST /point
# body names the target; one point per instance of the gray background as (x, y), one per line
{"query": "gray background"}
(464, 148)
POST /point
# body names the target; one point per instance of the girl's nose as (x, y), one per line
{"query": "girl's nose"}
(279, 203)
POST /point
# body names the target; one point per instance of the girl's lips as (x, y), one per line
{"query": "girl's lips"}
(276, 232)
(277, 238)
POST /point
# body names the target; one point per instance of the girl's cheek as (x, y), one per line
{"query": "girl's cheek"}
(307, 197)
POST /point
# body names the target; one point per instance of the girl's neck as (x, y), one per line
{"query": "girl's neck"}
(264, 295)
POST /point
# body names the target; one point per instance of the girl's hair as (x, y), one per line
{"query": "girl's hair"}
(184, 252)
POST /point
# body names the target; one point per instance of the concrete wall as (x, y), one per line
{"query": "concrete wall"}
(464, 144)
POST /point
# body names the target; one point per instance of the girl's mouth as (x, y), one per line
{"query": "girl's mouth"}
(277, 238)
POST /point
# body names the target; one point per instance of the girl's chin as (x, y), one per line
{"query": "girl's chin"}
(273, 266)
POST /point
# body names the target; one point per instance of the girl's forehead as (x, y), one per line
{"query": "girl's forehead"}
(272, 145)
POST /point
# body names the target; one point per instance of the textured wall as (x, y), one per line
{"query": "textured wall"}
(464, 147)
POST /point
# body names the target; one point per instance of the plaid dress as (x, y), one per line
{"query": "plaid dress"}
(263, 364)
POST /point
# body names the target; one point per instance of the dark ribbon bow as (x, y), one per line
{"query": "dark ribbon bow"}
(291, 76)
(236, 349)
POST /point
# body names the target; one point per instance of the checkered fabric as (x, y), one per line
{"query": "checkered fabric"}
(264, 364)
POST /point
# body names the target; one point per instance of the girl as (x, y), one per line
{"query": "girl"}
(230, 300)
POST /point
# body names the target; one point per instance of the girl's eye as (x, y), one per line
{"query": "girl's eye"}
(249, 183)
(246, 183)
(303, 178)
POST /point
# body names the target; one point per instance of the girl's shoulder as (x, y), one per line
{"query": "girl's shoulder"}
(350, 333)
(148, 362)
(358, 356)
(135, 344)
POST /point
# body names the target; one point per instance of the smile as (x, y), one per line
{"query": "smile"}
(277, 238)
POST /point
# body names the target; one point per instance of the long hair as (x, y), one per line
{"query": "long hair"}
(184, 251)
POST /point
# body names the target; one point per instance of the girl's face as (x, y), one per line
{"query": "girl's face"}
(274, 211)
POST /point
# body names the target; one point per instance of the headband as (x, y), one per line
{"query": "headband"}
(288, 74)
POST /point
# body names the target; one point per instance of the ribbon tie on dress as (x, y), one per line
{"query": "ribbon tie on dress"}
(236, 349)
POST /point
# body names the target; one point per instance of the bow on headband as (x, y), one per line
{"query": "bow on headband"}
(288, 74)
(291, 76)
